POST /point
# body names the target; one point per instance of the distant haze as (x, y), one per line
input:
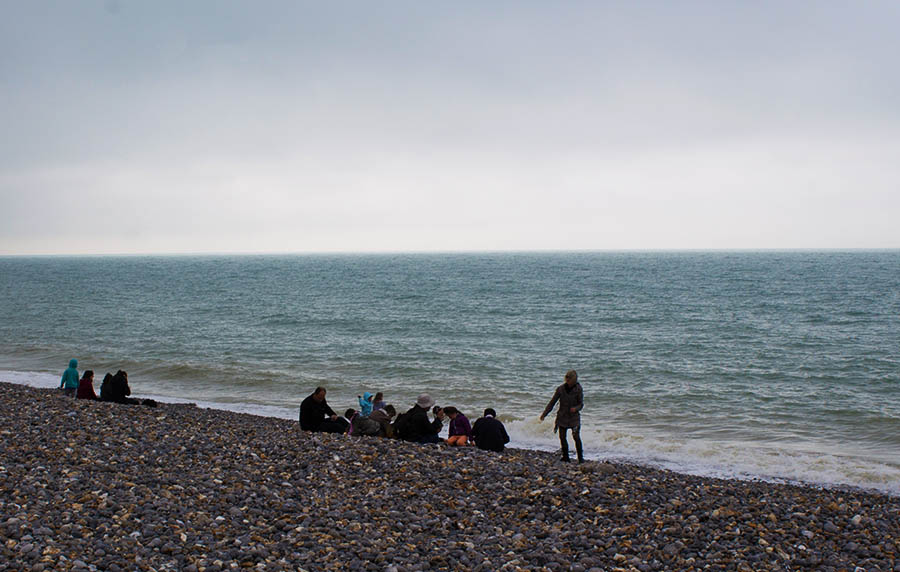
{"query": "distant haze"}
(172, 127)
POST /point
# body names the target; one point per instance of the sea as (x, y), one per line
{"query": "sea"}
(779, 366)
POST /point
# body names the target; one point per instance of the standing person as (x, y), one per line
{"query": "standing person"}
(571, 401)
(69, 381)
(460, 432)
(365, 404)
(86, 386)
(316, 415)
(489, 432)
(414, 424)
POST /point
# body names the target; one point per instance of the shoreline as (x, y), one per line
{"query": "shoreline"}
(724, 472)
(113, 487)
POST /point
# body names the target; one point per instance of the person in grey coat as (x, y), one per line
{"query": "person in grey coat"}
(571, 401)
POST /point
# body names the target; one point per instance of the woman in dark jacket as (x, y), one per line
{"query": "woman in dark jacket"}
(571, 401)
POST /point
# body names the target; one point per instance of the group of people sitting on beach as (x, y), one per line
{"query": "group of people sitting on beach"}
(114, 388)
(375, 418)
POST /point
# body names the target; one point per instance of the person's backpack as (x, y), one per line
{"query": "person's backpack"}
(401, 426)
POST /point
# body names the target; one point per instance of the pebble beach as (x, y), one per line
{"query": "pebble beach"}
(101, 486)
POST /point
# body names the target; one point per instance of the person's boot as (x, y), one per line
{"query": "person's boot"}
(565, 458)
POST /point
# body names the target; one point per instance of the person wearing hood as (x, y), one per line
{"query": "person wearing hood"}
(69, 381)
(365, 404)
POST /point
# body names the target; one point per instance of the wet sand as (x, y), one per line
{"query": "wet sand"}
(99, 486)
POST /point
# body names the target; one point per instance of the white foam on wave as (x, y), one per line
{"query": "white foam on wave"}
(729, 460)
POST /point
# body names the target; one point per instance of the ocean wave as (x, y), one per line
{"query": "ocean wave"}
(718, 458)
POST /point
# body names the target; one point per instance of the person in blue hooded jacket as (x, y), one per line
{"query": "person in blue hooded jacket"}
(365, 404)
(69, 381)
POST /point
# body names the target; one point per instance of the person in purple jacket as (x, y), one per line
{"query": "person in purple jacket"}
(460, 429)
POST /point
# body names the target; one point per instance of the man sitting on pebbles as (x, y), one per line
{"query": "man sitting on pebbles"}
(316, 415)
(489, 432)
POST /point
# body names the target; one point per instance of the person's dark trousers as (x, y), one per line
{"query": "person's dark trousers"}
(429, 439)
(576, 436)
(336, 426)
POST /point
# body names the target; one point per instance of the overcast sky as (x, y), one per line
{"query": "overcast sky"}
(158, 127)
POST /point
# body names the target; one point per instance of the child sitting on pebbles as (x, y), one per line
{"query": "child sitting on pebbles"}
(460, 429)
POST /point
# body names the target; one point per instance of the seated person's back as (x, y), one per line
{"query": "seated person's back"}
(489, 432)
(115, 387)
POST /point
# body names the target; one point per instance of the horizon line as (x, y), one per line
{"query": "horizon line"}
(443, 252)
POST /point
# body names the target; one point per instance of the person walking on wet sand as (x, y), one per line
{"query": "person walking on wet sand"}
(571, 401)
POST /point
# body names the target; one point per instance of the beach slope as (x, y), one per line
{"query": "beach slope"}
(99, 486)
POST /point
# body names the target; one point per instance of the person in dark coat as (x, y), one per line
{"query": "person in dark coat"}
(415, 426)
(316, 415)
(571, 401)
(115, 388)
(489, 432)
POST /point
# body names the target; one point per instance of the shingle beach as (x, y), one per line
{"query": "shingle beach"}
(99, 486)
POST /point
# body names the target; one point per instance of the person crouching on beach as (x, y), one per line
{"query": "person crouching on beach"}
(415, 426)
(571, 402)
(69, 381)
(460, 432)
(360, 425)
(316, 415)
(378, 402)
(383, 417)
(489, 432)
(86, 386)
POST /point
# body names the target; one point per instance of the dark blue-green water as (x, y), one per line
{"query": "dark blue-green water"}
(773, 365)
